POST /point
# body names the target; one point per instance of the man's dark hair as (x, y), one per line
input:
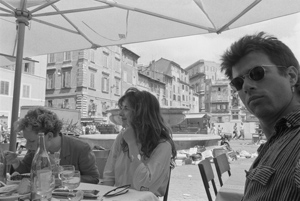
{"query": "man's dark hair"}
(278, 53)
(41, 120)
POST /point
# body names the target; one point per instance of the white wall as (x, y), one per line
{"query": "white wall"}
(37, 83)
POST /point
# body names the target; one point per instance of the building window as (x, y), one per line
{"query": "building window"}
(235, 115)
(182, 87)
(92, 56)
(105, 59)
(50, 103)
(105, 83)
(4, 88)
(117, 65)
(118, 82)
(183, 99)
(67, 56)
(179, 99)
(66, 79)
(26, 91)
(51, 58)
(125, 76)
(92, 80)
(50, 80)
(66, 104)
(174, 97)
(28, 68)
(220, 120)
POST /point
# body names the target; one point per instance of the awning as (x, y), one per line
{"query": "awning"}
(10, 60)
(194, 116)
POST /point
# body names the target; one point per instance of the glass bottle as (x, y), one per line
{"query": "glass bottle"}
(42, 179)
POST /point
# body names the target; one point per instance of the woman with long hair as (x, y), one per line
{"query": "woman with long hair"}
(144, 150)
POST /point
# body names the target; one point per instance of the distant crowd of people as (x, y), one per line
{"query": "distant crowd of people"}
(89, 129)
(237, 133)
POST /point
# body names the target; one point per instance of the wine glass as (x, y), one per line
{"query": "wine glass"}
(71, 183)
(65, 172)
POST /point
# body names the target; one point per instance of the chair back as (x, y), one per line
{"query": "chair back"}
(222, 165)
(207, 175)
(101, 158)
(167, 190)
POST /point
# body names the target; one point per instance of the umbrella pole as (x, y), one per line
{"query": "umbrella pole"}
(17, 84)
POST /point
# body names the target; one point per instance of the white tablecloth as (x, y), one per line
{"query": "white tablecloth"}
(132, 195)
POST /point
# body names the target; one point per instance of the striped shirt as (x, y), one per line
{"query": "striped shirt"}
(275, 174)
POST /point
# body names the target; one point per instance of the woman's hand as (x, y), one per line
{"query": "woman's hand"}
(129, 135)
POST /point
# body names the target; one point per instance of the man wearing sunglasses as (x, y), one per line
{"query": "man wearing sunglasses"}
(265, 74)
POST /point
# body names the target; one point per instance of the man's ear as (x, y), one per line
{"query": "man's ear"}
(293, 75)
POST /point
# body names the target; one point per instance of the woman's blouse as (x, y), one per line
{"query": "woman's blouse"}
(151, 175)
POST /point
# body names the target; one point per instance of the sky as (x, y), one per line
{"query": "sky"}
(187, 50)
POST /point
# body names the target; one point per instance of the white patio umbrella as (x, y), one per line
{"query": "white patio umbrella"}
(63, 25)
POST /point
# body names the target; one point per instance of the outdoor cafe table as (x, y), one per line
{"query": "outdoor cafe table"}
(233, 188)
(132, 195)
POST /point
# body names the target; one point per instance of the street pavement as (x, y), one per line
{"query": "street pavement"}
(186, 182)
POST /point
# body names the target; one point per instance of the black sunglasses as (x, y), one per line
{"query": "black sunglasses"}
(117, 191)
(257, 73)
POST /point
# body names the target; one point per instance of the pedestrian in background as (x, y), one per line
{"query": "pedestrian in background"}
(220, 130)
(265, 73)
(235, 131)
(213, 129)
(242, 133)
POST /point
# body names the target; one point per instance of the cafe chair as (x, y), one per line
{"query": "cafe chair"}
(167, 190)
(207, 175)
(101, 158)
(222, 165)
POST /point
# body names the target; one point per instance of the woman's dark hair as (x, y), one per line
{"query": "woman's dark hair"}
(147, 121)
(41, 120)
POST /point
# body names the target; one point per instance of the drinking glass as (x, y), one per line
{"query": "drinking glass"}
(71, 183)
(66, 171)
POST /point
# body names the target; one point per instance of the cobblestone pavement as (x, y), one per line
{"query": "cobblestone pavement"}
(186, 182)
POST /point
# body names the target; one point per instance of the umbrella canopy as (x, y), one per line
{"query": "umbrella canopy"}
(61, 25)
(35, 27)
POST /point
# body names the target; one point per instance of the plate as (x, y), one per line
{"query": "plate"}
(8, 188)
(17, 178)
(13, 182)
(13, 197)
